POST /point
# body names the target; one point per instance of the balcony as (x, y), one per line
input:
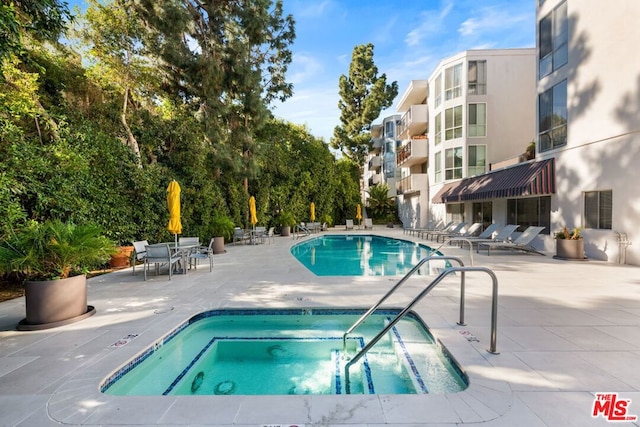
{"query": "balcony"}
(375, 163)
(414, 121)
(413, 152)
(375, 179)
(413, 183)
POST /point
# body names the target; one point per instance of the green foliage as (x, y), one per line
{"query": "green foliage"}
(286, 219)
(54, 250)
(363, 95)
(221, 226)
(379, 204)
(565, 233)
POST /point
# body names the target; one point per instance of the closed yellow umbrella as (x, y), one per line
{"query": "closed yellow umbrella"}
(173, 204)
(252, 210)
(358, 212)
(312, 208)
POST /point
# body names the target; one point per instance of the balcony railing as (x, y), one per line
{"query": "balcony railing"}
(413, 183)
(413, 152)
(375, 163)
(414, 121)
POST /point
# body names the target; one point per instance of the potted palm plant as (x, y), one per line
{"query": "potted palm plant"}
(53, 258)
(569, 244)
(221, 229)
(286, 221)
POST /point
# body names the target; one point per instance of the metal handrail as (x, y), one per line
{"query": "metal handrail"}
(392, 290)
(494, 317)
(458, 239)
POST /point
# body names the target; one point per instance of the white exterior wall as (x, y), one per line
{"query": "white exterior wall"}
(511, 112)
(603, 122)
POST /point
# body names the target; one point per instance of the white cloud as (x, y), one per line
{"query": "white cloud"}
(304, 67)
(430, 22)
(316, 107)
(491, 20)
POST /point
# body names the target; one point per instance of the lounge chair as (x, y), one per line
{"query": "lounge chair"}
(486, 235)
(453, 229)
(368, 224)
(202, 252)
(349, 224)
(502, 236)
(522, 243)
(440, 226)
(139, 252)
(470, 232)
(160, 254)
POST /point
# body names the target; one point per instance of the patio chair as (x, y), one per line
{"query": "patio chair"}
(453, 229)
(502, 236)
(349, 224)
(240, 235)
(269, 236)
(368, 224)
(139, 252)
(440, 226)
(470, 232)
(522, 243)
(486, 235)
(202, 252)
(160, 254)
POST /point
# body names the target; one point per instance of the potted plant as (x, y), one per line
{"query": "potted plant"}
(221, 229)
(569, 244)
(122, 258)
(53, 257)
(286, 221)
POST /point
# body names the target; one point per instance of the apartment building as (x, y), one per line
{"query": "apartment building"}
(481, 123)
(380, 165)
(588, 103)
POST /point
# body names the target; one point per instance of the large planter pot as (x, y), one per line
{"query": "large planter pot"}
(218, 245)
(122, 258)
(54, 303)
(285, 231)
(570, 249)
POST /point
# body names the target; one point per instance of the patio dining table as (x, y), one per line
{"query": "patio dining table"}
(184, 250)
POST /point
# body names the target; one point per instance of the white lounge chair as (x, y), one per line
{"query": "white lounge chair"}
(469, 232)
(486, 235)
(349, 224)
(522, 243)
(368, 224)
(453, 229)
(502, 236)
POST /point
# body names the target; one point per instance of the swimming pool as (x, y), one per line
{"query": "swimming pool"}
(359, 255)
(289, 351)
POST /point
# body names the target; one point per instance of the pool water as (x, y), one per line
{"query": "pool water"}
(289, 351)
(359, 255)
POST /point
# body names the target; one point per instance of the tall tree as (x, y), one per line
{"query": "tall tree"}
(363, 95)
(113, 35)
(227, 60)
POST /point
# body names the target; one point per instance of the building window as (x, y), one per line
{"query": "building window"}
(389, 129)
(455, 212)
(477, 77)
(438, 90)
(553, 40)
(552, 117)
(598, 209)
(437, 167)
(453, 123)
(453, 163)
(477, 120)
(438, 138)
(482, 212)
(453, 82)
(530, 211)
(476, 159)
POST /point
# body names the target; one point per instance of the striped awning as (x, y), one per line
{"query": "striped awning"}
(525, 179)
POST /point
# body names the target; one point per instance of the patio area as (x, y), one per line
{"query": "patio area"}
(566, 331)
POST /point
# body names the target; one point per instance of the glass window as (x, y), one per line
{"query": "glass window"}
(552, 117)
(438, 138)
(477, 77)
(437, 167)
(482, 212)
(389, 129)
(453, 82)
(453, 123)
(530, 211)
(477, 120)
(455, 212)
(438, 90)
(453, 163)
(476, 159)
(598, 206)
(553, 40)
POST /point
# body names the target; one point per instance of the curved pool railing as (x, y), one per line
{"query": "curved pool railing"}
(436, 281)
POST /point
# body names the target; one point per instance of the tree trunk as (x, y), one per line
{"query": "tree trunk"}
(131, 140)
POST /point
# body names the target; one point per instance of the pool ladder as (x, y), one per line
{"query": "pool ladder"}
(462, 269)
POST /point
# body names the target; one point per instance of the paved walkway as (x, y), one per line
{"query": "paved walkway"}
(566, 331)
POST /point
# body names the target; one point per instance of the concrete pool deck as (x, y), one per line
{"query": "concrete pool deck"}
(566, 331)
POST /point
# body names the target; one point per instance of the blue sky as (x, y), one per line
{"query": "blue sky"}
(410, 38)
